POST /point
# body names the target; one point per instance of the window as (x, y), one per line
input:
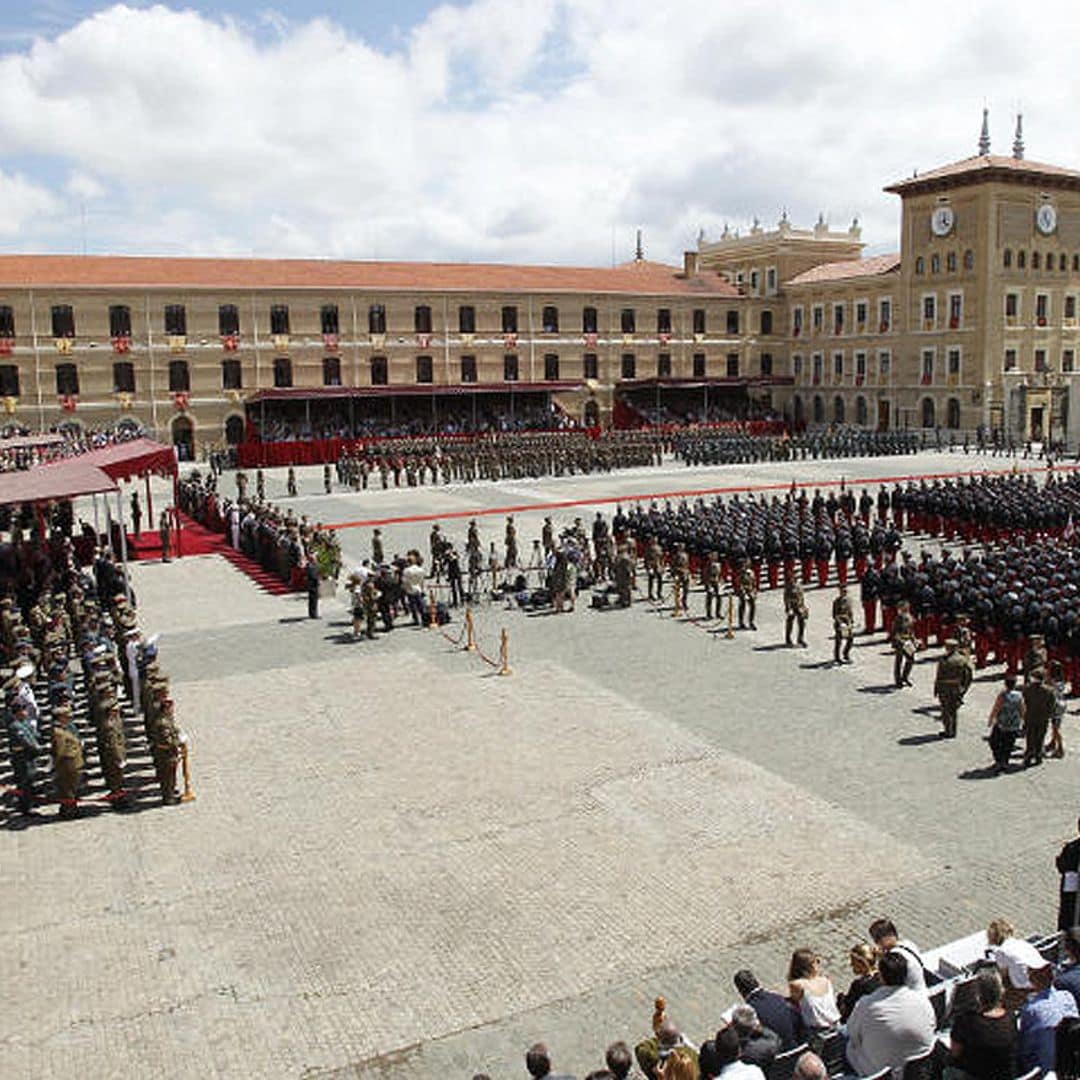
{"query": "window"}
(954, 362)
(9, 380)
(123, 377)
(663, 320)
(818, 317)
(663, 365)
(1070, 307)
(956, 310)
(817, 363)
(796, 321)
(699, 320)
(819, 409)
(1010, 359)
(588, 320)
(950, 262)
(230, 375)
(376, 319)
(466, 319)
(838, 364)
(1006, 258)
(860, 366)
(179, 377)
(589, 366)
(838, 409)
(551, 366)
(1021, 260)
(699, 363)
(468, 369)
(629, 366)
(935, 264)
(952, 414)
(884, 363)
(733, 365)
(1068, 359)
(119, 322)
(1042, 309)
(928, 412)
(228, 318)
(331, 371)
(282, 372)
(510, 368)
(754, 279)
(766, 322)
(1040, 360)
(927, 366)
(929, 309)
(67, 379)
(884, 315)
(329, 321)
(796, 365)
(1035, 260)
(1012, 305)
(424, 370)
(627, 320)
(1076, 264)
(920, 265)
(176, 320)
(7, 321)
(770, 280)
(860, 313)
(1050, 261)
(279, 320)
(509, 319)
(422, 319)
(838, 318)
(380, 371)
(860, 411)
(63, 322)
(549, 320)
(733, 322)
(969, 259)
(766, 365)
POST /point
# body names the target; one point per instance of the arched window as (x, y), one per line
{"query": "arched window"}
(800, 411)
(1049, 260)
(860, 411)
(1007, 258)
(920, 265)
(838, 409)
(1034, 260)
(950, 262)
(1063, 262)
(1021, 260)
(928, 412)
(952, 414)
(969, 259)
(935, 264)
(819, 410)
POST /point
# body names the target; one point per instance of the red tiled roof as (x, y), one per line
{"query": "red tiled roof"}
(982, 167)
(124, 271)
(852, 268)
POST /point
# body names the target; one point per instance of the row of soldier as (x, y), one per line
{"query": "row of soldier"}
(718, 447)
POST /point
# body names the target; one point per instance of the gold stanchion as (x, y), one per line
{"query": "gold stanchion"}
(504, 654)
(432, 615)
(470, 633)
(730, 617)
(189, 795)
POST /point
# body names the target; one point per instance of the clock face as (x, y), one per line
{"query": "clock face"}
(1046, 219)
(942, 221)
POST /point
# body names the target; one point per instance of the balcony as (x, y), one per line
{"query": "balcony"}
(929, 324)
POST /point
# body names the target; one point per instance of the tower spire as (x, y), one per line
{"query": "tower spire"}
(639, 250)
(1018, 141)
(984, 135)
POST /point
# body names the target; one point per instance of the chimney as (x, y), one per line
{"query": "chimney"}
(690, 264)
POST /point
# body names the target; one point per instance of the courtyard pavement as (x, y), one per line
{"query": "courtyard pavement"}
(399, 864)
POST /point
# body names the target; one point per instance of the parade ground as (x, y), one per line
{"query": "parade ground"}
(400, 864)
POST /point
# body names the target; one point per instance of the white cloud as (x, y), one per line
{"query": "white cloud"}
(511, 129)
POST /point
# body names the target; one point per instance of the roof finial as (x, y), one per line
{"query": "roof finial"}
(1018, 141)
(639, 251)
(984, 135)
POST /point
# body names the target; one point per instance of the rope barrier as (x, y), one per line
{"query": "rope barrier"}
(467, 634)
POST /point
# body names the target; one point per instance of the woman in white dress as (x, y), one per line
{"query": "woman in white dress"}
(812, 992)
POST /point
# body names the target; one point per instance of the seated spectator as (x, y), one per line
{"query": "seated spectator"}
(773, 1010)
(812, 991)
(1069, 976)
(719, 1057)
(864, 966)
(810, 1067)
(884, 936)
(618, 1060)
(983, 1042)
(759, 1045)
(1012, 955)
(1040, 1015)
(890, 1024)
(538, 1062)
(1067, 1050)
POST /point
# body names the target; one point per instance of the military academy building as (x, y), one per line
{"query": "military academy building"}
(973, 323)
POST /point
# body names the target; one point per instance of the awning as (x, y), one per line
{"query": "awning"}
(136, 457)
(317, 393)
(667, 382)
(20, 442)
(46, 483)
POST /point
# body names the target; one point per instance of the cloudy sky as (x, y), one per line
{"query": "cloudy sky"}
(500, 130)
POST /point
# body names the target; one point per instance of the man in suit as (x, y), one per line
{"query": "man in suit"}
(773, 1010)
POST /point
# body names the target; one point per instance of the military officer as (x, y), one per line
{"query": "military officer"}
(795, 609)
(843, 627)
(951, 683)
(68, 759)
(903, 642)
(746, 590)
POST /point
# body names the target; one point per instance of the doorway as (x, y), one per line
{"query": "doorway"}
(1036, 427)
(883, 416)
(183, 438)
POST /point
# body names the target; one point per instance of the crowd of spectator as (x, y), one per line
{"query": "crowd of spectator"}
(1012, 1013)
(20, 453)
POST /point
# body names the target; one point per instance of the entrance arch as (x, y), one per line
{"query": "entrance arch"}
(183, 438)
(952, 414)
(819, 410)
(800, 413)
(838, 409)
(234, 430)
(928, 413)
(592, 413)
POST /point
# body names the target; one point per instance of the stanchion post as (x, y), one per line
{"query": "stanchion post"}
(504, 653)
(432, 613)
(730, 617)
(189, 795)
(675, 594)
(470, 633)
